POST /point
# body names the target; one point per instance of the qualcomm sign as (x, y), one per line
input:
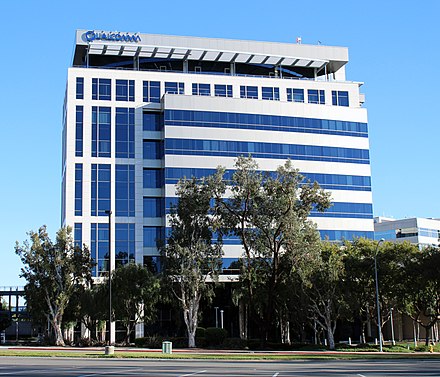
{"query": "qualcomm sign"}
(92, 35)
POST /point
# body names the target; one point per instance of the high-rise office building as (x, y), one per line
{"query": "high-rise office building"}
(142, 111)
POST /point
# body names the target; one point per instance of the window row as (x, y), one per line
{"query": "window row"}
(151, 92)
(101, 130)
(124, 190)
(189, 118)
(326, 181)
(266, 150)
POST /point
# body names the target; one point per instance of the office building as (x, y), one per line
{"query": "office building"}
(142, 111)
(416, 230)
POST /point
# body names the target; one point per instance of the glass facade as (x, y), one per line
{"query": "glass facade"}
(77, 235)
(100, 189)
(340, 98)
(153, 207)
(222, 90)
(101, 131)
(102, 89)
(153, 178)
(201, 89)
(79, 130)
(174, 87)
(249, 92)
(152, 235)
(78, 189)
(124, 130)
(80, 88)
(125, 90)
(152, 121)
(99, 249)
(269, 93)
(125, 190)
(295, 95)
(316, 96)
(124, 244)
(243, 121)
(265, 150)
(153, 149)
(151, 91)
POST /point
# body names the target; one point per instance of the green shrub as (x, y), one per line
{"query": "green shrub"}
(154, 341)
(200, 332)
(234, 344)
(215, 336)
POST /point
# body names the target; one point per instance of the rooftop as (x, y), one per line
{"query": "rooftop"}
(109, 49)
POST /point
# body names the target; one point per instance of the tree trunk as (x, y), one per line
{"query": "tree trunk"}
(331, 339)
(190, 313)
(59, 341)
(242, 319)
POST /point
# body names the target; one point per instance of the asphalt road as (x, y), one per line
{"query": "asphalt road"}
(10, 366)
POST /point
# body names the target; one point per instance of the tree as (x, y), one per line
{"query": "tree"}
(135, 292)
(269, 212)
(190, 257)
(422, 301)
(326, 290)
(52, 271)
(5, 318)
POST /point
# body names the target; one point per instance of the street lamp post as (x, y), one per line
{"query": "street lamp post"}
(379, 327)
(216, 316)
(109, 213)
(392, 327)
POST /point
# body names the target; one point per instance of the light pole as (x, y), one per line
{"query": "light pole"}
(392, 327)
(221, 318)
(216, 316)
(109, 213)
(379, 327)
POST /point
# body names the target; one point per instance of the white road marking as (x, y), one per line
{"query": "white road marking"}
(276, 374)
(193, 374)
(361, 375)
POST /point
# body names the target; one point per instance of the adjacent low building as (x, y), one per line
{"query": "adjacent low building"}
(416, 230)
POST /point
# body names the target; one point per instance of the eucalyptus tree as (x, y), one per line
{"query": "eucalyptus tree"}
(193, 253)
(269, 213)
(53, 271)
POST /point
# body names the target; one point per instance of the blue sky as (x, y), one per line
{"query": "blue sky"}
(393, 48)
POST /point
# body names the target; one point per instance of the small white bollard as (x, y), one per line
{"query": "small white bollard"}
(109, 350)
(349, 341)
(375, 341)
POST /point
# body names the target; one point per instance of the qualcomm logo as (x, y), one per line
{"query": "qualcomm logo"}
(92, 35)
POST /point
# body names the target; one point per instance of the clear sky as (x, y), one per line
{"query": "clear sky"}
(393, 48)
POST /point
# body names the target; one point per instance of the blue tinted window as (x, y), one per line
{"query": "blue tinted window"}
(124, 190)
(249, 92)
(77, 235)
(152, 149)
(124, 90)
(99, 249)
(102, 89)
(269, 93)
(152, 236)
(153, 207)
(175, 87)
(340, 98)
(79, 123)
(100, 189)
(78, 189)
(222, 90)
(316, 96)
(266, 150)
(295, 95)
(124, 244)
(101, 131)
(153, 178)
(80, 88)
(124, 129)
(201, 89)
(151, 91)
(152, 121)
(187, 118)
(340, 235)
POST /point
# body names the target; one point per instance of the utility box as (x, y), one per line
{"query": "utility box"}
(167, 347)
